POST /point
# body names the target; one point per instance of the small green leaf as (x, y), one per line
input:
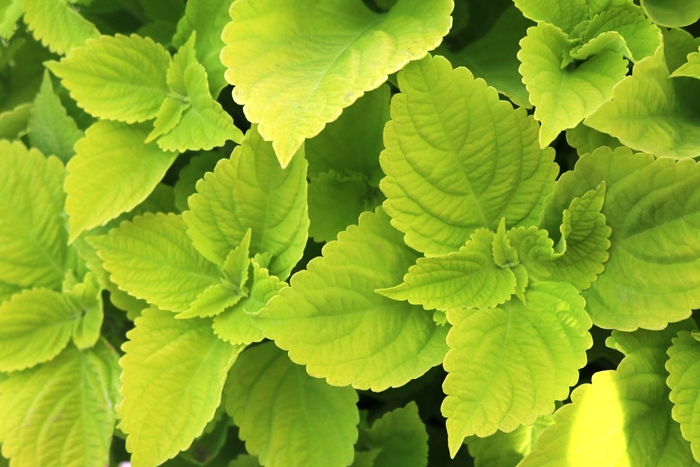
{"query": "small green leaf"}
(190, 174)
(468, 278)
(504, 254)
(169, 116)
(15, 123)
(624, 417)
(564, 14)
(152, 258)
(51, 130)
(112, 172)
(237, 263)
(332, 320)
(678, 43)
(86, 299)
(286, 417)
(10, 13)
(672, 13)
(509, 364)
(355, 49)
(62, 413)
(563, 97)
(57, 25)
(586, 140)
(251, 191)
(683, 369)
(478, 158)
(174, 372)
(691, 68)
(116, 77)
(212, 301)
(33, 236)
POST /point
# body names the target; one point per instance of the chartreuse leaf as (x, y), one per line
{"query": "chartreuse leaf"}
(237, 324)
(563, 97)
(585, 139)
(485, 162)
(33, 236)
(649, 204)
(174, 372)
(190, 174)
(112, 172)
(169, 116)
(678, 44)
(507, 365)
(152, 258)
(62, 413)
(35, 325)
(207, 19)
(494, 57)
(597, 6)
(251, 191)
(15, 123)
(691, 68)
(116, 77)
(504, 255)
(683, 380)
(86, 299)
(57, 25)
(237, 263)
(292, 90)
(468, 278)
(624, 417)
(51, 130)
(286, 417)
(331, 319)
(564, 14)
(674, 13)
(400, 437)
(653, 113)
(507, 449)
(10, 13)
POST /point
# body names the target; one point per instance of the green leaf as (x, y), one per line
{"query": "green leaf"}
(286, 417)
(86, 299)
(57, 25)
(672, 13)
(184, 57)
(117, 78)
(152, 258)
(15, 123)
(691, 68)
(624, 417)
(507, 449)
(207, 19)
(678, 43)
(35, 325)
(468, 278)
(564, 14)
(365, 458)
(190, 174)
(245, 460)
(331, 319)
(251, 191)
(682, 367)
(169, 116)
(509, 364)
(293, 89)
(10, 13)
(597, 6)
(653, 113)
(484, 159)
(62, 413)
(51, 130)
(7, 291)
(586, 139)
(212, 301)
(563, 97)
(174, 372)
(649, 204)
(237, 263)
(237, 324)
(504, 255)
(400, 437)
(494, 56)
(33, 236)
(112, 172)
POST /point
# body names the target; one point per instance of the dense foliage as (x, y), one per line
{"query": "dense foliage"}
(380, 233)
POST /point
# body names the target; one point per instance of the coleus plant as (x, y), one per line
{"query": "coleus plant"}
(505, 189)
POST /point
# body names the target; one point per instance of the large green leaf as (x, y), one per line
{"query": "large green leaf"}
(563, 97)
(10, 13)
(564, 14)
(683, 367)
(14, 123)
(33, 236)
(191, 174)
(62, 413)
(468, 278)
(296, 64)
(116, 77)
(112, 172)
(57, 25)
(624, 417)
(650, 205)
(466, 155)
(286, 417)
(174, 372)
(653, 112)
(51, 129)
(152, 258)
(507, 365)
(331, 319)
(251, 191)
(672, 13)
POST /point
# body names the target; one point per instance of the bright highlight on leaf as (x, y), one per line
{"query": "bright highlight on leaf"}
(174, 372)
(331, 319)
(291, 89)
(286, 417)
(507, 365)
(465, 154)
(57, 25)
